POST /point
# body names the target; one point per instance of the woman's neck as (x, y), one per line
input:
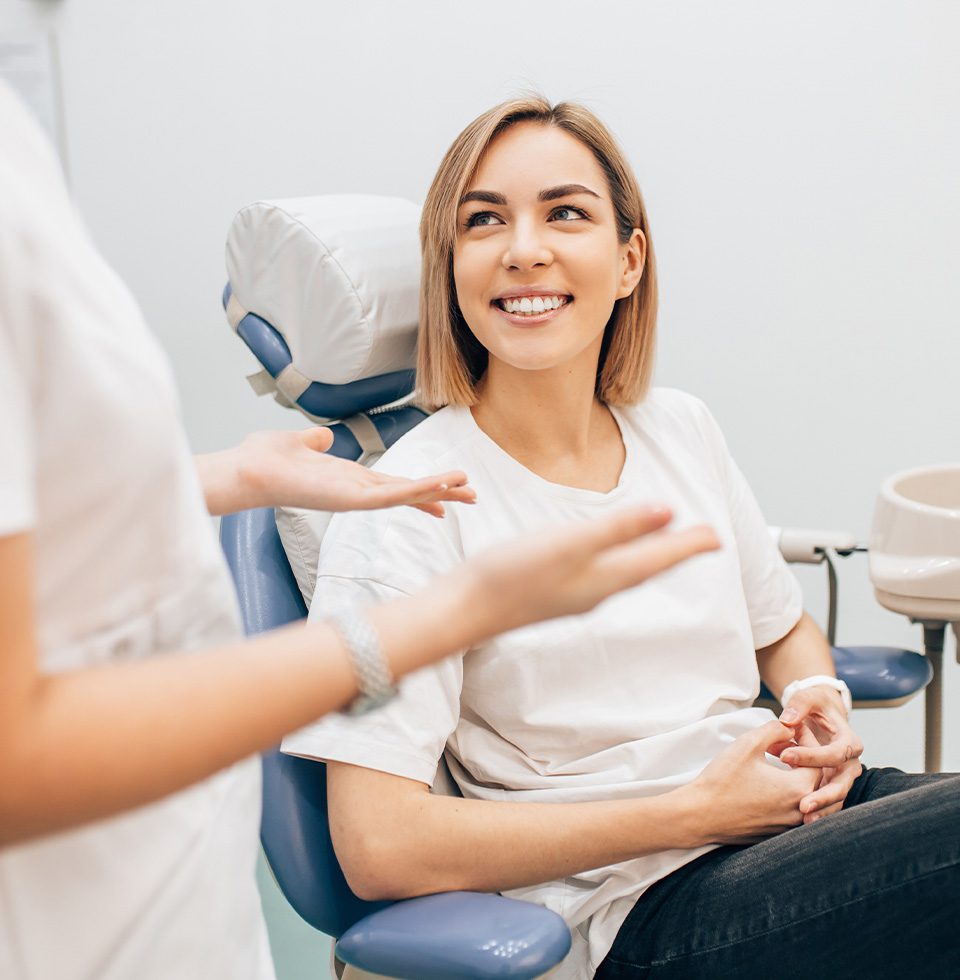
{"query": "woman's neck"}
(552, 423)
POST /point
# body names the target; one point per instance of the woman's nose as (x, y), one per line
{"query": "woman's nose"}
(526, 249)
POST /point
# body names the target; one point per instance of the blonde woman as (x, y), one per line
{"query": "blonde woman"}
(612, 765)
(130, 707)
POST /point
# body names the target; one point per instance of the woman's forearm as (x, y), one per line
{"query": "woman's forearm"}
(803, 652)
(89, 743)
(395, 839)
(417, 843)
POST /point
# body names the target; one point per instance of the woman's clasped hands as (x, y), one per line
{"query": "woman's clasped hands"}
(743, 796)
(830, 746)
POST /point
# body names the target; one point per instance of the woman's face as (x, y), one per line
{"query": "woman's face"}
(537, 263)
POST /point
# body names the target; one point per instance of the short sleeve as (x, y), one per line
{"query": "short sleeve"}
(773, 596)
(369, 558)
(17, 485)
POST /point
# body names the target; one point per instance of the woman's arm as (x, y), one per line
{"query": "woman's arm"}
(805, 652)
(394, 839)
(292, 469)
(84, 744)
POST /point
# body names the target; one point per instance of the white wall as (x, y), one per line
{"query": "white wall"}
(799, 165)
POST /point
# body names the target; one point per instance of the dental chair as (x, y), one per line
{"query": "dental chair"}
(324, 293)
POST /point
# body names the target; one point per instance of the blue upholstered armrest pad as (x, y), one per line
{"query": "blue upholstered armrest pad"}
(878, 674)
(457, 936)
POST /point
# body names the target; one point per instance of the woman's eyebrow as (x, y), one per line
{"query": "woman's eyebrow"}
(549, 194)
(488, 197)
(565, 190)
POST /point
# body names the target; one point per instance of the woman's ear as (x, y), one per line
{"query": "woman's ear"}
(632, 261)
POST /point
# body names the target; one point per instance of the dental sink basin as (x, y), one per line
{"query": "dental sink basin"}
(915, 544)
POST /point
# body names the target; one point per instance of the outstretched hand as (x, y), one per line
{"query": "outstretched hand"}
(574, 568)
(293, 469)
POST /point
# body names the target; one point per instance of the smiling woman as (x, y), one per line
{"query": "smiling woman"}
(613, 765)
(595, 202)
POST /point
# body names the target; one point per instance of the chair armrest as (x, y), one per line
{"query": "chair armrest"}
(807, 545)
(457, 935)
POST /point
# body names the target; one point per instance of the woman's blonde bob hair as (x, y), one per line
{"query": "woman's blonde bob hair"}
(450, 360)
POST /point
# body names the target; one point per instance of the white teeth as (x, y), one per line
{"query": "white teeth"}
(532, 305)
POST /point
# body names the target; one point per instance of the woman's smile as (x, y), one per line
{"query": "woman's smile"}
(531, 305)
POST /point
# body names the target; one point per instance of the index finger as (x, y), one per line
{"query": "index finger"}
(823, 756)
(637, 561)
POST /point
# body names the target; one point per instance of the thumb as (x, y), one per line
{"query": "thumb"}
(319, 438)
(793, 715)
(770, 735)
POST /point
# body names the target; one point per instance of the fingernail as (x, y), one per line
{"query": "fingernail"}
(789, 715)
(788, 758)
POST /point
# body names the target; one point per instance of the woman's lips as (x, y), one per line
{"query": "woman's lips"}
(531, 319)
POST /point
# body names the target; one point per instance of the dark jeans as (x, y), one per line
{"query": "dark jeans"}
(872, 891)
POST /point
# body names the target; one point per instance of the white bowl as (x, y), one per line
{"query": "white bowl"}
(915, 543)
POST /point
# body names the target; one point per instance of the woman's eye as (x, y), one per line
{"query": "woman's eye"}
(567, 214)
(483, 219)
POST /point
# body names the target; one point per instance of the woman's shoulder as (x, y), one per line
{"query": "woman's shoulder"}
(672, 410)
(440, 442)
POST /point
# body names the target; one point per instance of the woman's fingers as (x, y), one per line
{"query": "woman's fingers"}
(830, 796)
(633, 563)
(391, 491)
(824, 756)
(825, 812)
(319, 438)
(595, 536)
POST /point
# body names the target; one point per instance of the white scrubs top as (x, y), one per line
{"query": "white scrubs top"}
(94, 464)
(628, 701)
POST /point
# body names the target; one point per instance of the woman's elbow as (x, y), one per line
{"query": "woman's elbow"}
(376, 867)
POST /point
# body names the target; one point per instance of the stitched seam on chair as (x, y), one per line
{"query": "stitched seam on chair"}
(787, 925)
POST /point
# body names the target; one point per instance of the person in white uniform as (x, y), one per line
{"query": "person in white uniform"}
(613, 765)
(130, 707)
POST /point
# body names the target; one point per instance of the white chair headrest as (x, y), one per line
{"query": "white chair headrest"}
(338, 278)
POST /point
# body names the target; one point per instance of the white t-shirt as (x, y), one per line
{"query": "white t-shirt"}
(93, 463)
(630, 700)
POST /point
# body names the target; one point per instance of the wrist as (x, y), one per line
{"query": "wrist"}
(223, 487)
(687, 806)
(240, 467)
(823, 683)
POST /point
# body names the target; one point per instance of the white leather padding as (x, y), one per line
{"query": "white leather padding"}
(337, 276)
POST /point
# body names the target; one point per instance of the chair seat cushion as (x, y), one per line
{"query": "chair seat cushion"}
(882, 674)
(878, 676)
(457, 936)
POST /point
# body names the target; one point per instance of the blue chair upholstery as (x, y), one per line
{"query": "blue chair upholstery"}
(878, 677)
(322, 400)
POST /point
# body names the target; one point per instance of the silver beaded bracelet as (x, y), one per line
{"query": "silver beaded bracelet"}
(374, 677)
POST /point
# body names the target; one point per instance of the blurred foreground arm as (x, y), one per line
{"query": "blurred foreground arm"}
(88, 743)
